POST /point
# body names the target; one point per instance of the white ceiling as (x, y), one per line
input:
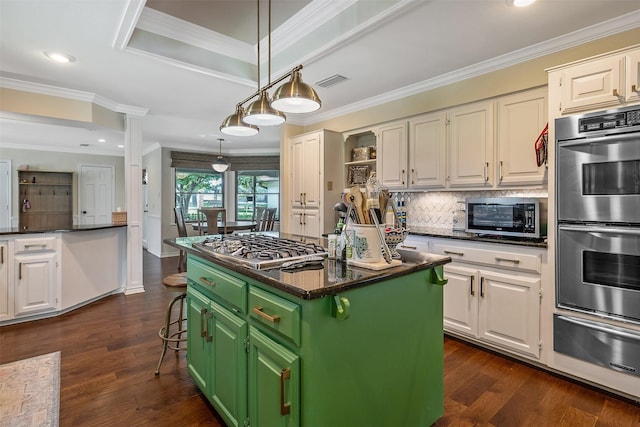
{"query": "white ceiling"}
(184, 64)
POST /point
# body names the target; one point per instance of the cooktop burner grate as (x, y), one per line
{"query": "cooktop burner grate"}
(258, 251)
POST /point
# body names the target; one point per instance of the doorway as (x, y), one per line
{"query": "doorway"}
(95, 196)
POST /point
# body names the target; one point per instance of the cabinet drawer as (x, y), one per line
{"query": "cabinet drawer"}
(491, 258)
(36, 244)
(218, 283)
(276, 312)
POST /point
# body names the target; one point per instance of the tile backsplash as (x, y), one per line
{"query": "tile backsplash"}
(436, 209)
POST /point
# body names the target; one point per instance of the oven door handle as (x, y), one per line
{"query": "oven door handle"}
(609, 330)
(600, 229)
(600, 139)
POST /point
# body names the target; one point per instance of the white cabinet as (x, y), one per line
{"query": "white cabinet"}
(5, 313)
(521, 118)
(609, 80)
(427, 151)
(392, 155)
(35, 268)
(316, 177)
(493, 294)
(471, 145)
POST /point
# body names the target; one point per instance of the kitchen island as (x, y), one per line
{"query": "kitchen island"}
(332, 345)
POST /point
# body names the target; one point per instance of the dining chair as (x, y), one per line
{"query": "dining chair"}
(211, 218)
(182, 232)
(265, 217)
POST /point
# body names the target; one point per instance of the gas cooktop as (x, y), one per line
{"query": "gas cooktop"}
(259, 251)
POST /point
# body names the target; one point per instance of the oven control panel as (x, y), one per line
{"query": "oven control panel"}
(609, 121)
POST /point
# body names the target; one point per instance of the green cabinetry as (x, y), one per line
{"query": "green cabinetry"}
(267, 358)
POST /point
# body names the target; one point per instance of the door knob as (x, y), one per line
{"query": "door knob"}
(84, 212)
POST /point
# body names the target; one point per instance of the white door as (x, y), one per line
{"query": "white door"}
(5, 193)
(96, 196)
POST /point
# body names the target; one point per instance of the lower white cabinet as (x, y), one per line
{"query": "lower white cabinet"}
(305, 222)
(4, 280)
(35, 284)
(493, 296)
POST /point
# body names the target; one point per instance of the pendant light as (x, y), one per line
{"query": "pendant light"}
(233, 125)
(296, 96)
(220, 164)
(260, 112)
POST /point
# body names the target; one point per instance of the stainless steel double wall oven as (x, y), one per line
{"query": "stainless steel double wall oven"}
(598, 236)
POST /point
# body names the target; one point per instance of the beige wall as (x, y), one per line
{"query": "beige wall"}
(60, 162)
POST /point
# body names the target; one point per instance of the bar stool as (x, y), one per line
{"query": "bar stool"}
(172, 332)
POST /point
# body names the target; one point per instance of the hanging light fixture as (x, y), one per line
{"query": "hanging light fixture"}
(296, 96)
(260, 112)
(292, 97)
(233, 125)
(220, 164)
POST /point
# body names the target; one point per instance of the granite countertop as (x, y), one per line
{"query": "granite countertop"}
(462, 235)
(16, 230)
(334, 276)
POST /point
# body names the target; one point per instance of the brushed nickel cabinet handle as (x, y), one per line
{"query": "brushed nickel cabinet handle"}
(471, 287)
(19, 271)
(208, 337)
(634, 88)
(482, 287)
(258, 310)
(203, 315)
(500, 170)
(515, 261)
(403, 179)
(1, 254)
(413, 176)
(285, 408)
(454, 253)
(207, 281)
(486, 171)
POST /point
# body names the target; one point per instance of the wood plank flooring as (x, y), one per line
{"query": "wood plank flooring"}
(110, 350)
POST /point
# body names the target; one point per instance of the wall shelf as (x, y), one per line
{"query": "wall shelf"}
(45, 200)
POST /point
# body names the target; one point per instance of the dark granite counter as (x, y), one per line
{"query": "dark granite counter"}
(15, 230)
(332, 278)
(462, 235)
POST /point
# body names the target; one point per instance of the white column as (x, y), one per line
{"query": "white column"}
(133, 200)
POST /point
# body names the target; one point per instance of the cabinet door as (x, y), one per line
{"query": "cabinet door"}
(4, 281)
(35, 283)
(521, 118)
(427, 151)
(274, 383)
(198, 339)
(392, 156)
(594, 84)
(461, 300)
(296, 224)
(311, 223)
(471, 145)
(228, 387)
(311, 167)
(297, 171)
(633, 76)
(509, 311)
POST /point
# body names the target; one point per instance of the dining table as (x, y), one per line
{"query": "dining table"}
(231, 226)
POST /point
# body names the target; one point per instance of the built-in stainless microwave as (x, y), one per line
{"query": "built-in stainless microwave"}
(507, 216)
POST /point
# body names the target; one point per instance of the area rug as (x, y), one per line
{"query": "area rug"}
(30, 392)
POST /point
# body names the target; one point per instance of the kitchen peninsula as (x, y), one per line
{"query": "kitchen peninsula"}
(47, 273)
(329, 344)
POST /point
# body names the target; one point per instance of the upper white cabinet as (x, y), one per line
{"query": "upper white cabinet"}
(428, 151)
(392, 155)
(609, 80)
(316, 178)
(471, 144)
(521, 118)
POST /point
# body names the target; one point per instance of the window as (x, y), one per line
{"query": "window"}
(197, 189)
(257, 189)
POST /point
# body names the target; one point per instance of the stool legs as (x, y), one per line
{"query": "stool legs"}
(172, 340)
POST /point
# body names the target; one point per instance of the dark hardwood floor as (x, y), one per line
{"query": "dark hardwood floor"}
(110, 350)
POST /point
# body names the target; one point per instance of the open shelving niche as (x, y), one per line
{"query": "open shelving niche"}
(45, 200)
(358, 167)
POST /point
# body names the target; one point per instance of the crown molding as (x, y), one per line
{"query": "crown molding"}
(131, 15)
(92, 151)
(557, 44)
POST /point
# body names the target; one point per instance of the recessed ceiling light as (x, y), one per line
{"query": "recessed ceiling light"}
(120, 146)
(102, 140)
(520, 3)
(59, 57)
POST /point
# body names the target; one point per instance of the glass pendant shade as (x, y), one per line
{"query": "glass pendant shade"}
(260, 112)
(220, 164)
(296, 96)
(233, 125)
